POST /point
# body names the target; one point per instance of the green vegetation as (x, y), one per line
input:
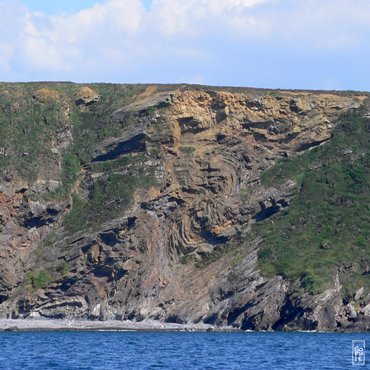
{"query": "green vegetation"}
(117, 191)
(109, 197)
(326, 227)
(209, 257)
(120, 163)
(187, 149)
(187, 259)
(91, 127)
(40, 279)
(76, 219)
(64, 268)
(26, 129)
(43, 244)
(36, 280)
(34, 116)
(151, 112)
(70, 170)
(244, 195)
(49, 240)
(114, 192)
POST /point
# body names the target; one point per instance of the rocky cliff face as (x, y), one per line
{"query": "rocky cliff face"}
(145, 206)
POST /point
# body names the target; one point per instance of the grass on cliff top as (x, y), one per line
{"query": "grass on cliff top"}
(27, 129)
(326, 227)
(33, 117)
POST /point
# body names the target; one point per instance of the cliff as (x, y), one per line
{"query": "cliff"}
(237, 207)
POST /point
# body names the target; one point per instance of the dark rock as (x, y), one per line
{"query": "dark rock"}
(115, 150)
(12, 328)
(325, 245)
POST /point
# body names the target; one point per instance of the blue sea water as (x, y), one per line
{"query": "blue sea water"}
(177, 350)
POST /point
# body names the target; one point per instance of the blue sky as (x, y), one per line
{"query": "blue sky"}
(66, 6)
(55, 6)
(307, 44)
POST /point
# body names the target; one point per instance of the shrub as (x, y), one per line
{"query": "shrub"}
(76, 219)
(37, 280)
(188, 149)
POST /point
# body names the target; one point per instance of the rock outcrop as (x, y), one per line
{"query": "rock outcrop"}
(179, 249)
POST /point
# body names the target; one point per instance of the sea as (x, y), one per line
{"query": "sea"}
(182, 350)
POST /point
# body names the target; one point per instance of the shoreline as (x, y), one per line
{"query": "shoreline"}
(43, 324)
(14, 325)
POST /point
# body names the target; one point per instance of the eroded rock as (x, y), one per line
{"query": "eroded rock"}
(156, 258)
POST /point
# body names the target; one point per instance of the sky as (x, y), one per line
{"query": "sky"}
(289, 44)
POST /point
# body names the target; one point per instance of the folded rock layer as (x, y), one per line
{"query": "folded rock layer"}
(141, 202)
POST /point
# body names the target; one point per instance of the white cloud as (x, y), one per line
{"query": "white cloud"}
(194, 17)
(337, 24)
(118, 31)
(219, 6)
(112, 16)
(12, 20)
(6, 52)
(67, 43)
